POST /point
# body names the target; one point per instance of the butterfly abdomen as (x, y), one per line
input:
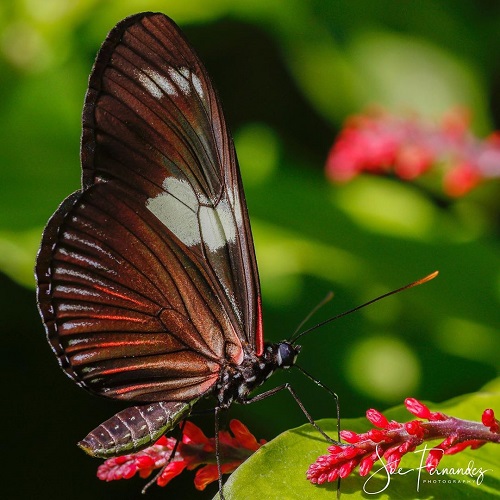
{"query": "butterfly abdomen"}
(134, 428)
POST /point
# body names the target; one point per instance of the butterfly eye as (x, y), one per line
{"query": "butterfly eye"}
(287, 354)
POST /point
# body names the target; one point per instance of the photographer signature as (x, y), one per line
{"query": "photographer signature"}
(470, 471)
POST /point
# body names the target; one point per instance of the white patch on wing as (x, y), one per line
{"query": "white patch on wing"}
(226, 216)
(238, 215)
(184, 191)
(217, 225)
(180, 80)
(197, 85)
(182, 211)
(149, 85)
(158, 85)
(213, 234)
(176, 208)
(161, 81)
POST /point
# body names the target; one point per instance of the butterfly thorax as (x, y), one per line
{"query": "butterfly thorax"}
(236, 382)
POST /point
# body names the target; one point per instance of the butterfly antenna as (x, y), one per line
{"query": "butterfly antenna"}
(406, 287)
(329, 296)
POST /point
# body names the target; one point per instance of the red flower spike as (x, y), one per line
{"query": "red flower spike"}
(163, 441)
(449, 441)
(347, 468)
(415, 428)
(332, 476)
(350, 452)
(194, 450)
(205, 476)
(376, 435)
(417, 408)
(489, 420)
(461, 179)
(380, 143)
(144, 473)
(172, 470)
(209, 474)
(396, 439)
(326, 477)
(365, 466)
(335, 448)
(244, 436)
(349, 436)
(433, 459)
(413, 161)
(488, 417)
(435, 416)
(393, 460)
(376, 418)
(193, 434)
(393, 425)
(144, 462)
(406, 447)
(473, 443)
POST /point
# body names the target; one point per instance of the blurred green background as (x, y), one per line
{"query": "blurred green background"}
(289, 73)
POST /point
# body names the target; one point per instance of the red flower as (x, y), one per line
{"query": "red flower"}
(194, 450)
(378, 142)
(393, 440)
(488, 419)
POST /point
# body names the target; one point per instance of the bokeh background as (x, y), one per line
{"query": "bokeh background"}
(289, 73)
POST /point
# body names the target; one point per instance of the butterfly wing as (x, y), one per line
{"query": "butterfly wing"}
(147, 279)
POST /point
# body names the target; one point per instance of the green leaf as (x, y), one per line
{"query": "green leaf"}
(278, 469)
(17, 251)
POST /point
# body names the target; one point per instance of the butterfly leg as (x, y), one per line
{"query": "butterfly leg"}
(217, 451)
(288, 387)
(336, 398)
(327, 389)
(172, 455)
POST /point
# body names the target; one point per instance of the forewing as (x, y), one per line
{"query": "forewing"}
(147, 281)
(153, 122)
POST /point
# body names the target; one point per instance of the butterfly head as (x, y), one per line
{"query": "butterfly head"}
(283, 354)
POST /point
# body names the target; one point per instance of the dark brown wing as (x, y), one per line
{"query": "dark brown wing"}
(147, 276)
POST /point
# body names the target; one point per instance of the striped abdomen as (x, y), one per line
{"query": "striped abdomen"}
(134, 428)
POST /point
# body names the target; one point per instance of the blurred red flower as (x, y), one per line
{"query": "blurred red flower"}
(194, 450)
(379, 142)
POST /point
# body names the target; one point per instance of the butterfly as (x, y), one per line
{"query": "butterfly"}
(147, 281)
